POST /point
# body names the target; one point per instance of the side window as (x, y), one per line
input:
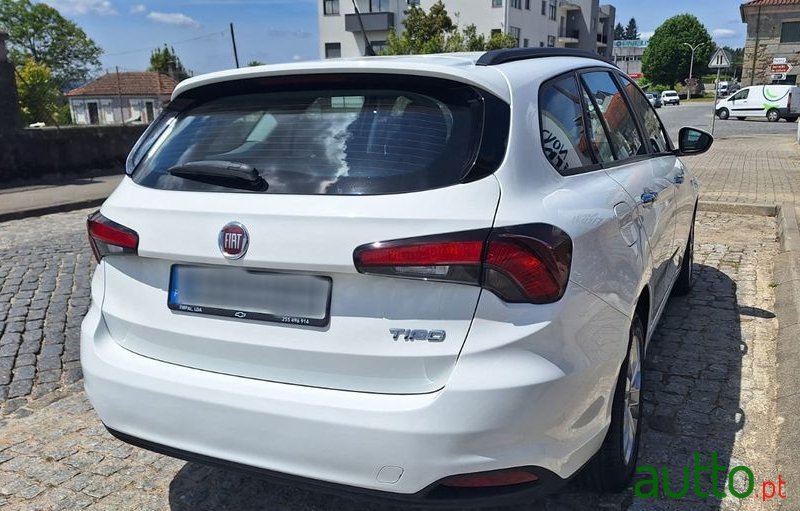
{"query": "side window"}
(598, 131)
(742, 94)
(653, 130)
(564, 140)
(614, 109)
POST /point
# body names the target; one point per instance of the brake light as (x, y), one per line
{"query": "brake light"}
(522, 264)
(108, 237)
(489, 479)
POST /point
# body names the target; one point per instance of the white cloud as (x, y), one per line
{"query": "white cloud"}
(724, 33)
(297, 57)
(173, 18)
(646, 35)
(79, 7)
(138, 9)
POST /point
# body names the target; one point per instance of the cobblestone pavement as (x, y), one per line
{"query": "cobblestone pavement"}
(757, 169)
(45, 265)
(709, 389)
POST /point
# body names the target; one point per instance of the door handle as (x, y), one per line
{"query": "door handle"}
(649, 197)
(678, 179)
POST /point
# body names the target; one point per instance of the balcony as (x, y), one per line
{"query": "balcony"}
(373, 21)
(567, 5)
(569, 36)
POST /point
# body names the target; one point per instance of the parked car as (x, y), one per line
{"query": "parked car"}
(670, 97)
(770, 101)
(363, 275)
(654, 99)
(722, 89)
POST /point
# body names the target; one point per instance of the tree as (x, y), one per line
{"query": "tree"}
(165, 61)
(737, 60)
(38, 93)
(254, 63)
(434, 32)
(619, 32)
(666, 59)
(39, 32)
(632, 31)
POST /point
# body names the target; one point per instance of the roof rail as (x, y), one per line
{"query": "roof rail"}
(495, 57)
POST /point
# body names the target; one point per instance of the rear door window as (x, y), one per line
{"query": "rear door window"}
(564, 140)
(654, 132)
(342, 135)
(614, 109)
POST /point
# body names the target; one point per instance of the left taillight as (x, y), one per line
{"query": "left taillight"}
(108, 237)
(521, 264)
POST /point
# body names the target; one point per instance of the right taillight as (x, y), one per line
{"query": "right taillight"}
(108, 237)
(521, 264)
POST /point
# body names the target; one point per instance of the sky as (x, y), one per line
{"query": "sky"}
(284, 30)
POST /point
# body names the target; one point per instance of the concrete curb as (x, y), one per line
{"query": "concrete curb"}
(739, 208)
(47, 210)
(787, 308)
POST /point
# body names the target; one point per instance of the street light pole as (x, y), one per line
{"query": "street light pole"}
(691, 67)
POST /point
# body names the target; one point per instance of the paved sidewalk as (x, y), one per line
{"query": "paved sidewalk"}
(66, 196)
(763, 169)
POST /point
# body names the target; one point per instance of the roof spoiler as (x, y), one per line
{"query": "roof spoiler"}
(496, 57)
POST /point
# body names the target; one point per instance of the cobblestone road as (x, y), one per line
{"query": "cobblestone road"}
(709, 388)
(45, 265)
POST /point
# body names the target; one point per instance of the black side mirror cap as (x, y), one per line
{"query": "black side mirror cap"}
(692, 141)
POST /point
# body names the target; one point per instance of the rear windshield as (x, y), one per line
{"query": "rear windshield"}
(344, 136)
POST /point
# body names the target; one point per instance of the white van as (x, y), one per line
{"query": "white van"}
(770, 101)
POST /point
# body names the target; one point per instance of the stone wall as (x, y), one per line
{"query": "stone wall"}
(27, 155)
(768, 33)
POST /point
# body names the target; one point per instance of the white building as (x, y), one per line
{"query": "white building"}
(534, 23)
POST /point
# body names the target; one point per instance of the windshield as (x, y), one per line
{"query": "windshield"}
(338, 140)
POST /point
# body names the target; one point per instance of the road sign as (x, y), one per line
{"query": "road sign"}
(719, 60)
(778, 69)
(779, 60)
(777, 77)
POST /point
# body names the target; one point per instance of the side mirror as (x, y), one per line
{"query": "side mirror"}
(693, 141)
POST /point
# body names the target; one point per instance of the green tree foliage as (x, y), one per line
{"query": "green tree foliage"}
(254, 63)
(434, 32)
(666, 59)
(38, 94)
(632, 31)
(619, 32)
(165, 61)
(737, 60)
(39, 32)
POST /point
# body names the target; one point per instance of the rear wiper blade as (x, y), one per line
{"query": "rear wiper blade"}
(230, 174)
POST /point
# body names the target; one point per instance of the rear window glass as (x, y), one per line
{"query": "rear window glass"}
(342, 139)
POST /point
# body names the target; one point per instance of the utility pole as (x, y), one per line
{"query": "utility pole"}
(691, 69)
(119, 98)
(235, 53)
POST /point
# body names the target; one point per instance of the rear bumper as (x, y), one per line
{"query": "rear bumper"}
(398, 445)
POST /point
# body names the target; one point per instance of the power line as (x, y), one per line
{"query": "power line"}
(150, 48)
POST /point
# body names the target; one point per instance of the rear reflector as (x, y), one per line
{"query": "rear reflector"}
(108, 237)
(489, 479)
(522, 264)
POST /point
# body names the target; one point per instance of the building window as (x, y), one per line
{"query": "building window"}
(528, 4)
(541, 44)
(412, 2)
(497, 3)
(551, 41)
(516, 4)
(790, 32)
(378, 46)
(525, 43)
(378, 5)
(495, 31)
(515, 33)
(333, 50)
(544, 7)
(553, 9)
(330, 7)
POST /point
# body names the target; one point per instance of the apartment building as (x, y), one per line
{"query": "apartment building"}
(583, 24)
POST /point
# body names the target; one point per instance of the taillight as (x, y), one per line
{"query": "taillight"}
(522, 264)
(108, 237)
(490, 479)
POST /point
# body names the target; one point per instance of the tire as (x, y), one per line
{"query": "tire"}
(685, 280)
(773, 115)
(612, 468)
(741, 118)
(723, 113)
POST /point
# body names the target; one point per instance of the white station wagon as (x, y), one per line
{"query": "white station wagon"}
(425, 278)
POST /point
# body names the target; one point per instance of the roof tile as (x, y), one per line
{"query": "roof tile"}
(757, 3)
(144, 83)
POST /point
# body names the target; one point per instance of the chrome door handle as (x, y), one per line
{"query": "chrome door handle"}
(678, 179)
(649, 197)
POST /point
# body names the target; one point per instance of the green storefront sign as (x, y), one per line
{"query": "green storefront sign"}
(635, 43)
